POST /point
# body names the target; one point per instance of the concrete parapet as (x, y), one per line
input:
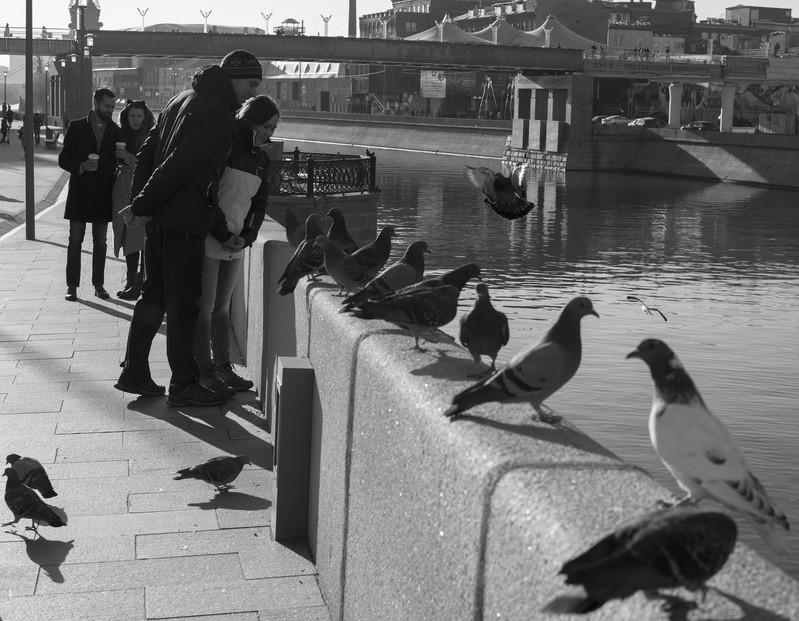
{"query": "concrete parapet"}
(412, 516)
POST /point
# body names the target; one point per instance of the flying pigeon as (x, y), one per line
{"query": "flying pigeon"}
(699, 450)
(32, 474)
(345, 269)
(407, 271)
(338, 232)
(374, 256)
(484, 330)
(649, 310)
(307, 258)
(24, 502)
(218, 471)
(676, 547)
(295, 232)
(537, 372)
(507, 196)
(422, 307)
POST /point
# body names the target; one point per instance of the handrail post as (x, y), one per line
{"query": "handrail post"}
(309, 190)
(372, 171)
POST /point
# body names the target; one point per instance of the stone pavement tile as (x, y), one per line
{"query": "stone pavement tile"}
(29, 376)
(313, 613)
(17, 574)
(137, 523)
(88, 470)
(11, 348)
(55, 550)
(182, 452)
(176, 434)
(233, 518)
(39, 355)
(157, 408)
(127, 604)
(7, 384)
(90, 497)
(108, 442)
(200, 542)
(237, 616)
(102, 423)
(56, 365)
(47, 342)
(201, 495)
(82, 577)
(233, 596)
(11, 422)
(271, 559)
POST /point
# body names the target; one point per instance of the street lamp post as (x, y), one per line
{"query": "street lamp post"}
(266, 19)
(326, 19)
(205, 14)
(142, 12)
(46, 95)
(5, 88)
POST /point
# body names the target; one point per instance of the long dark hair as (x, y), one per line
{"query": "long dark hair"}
(258, 110)
(135, 139)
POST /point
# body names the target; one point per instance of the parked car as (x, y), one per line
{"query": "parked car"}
(742, 121)
(701, 126)
(598, 119)
(647, 121)
(616, 119)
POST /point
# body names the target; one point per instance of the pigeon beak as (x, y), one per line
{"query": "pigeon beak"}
(632, 354)
(595, 314)
(428, 251)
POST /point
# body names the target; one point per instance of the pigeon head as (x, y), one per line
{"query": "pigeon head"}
(671, 379)
(243, 459)
(482, 289)
(461, 275)
(12, 458)
(313, 226)
(324, 242)
(387, 231)
(417, 248)
(336, 215)
(12, 475)
(653, 351)
(577, 308)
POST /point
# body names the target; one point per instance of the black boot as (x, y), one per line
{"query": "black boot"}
(132, 290)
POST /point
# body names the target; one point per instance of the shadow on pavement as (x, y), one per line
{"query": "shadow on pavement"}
(237, 501)
(47, 554)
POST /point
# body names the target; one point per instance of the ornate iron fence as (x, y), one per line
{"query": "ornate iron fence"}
(315, 174)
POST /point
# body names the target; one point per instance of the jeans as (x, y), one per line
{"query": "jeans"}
(213, 323)
(172, 284)
(77, 230)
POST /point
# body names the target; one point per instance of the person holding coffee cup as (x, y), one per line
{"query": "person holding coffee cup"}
(89, 156)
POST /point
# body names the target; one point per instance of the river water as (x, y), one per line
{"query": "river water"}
(720, 260)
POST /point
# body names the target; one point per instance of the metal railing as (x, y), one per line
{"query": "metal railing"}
(317, 174)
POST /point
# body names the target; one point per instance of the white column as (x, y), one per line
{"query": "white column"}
(675, 104)
(727, 106)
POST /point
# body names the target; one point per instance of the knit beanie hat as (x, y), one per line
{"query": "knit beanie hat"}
(241, 64)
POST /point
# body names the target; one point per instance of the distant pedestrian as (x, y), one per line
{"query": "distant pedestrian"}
(243, 192)
(88, 155)
(37, 127)
(3, 130)
(21, 136)
(10, 117)
(136, 121)
(175, 190)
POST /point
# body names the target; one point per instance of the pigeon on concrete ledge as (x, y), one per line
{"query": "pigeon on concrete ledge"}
(484, 330)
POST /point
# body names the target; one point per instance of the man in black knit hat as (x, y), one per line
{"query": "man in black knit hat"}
(175, 188)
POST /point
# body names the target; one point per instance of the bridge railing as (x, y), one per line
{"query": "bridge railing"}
(38, 33)
(317, 174)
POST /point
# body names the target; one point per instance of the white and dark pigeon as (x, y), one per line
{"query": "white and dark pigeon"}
(484, 330)
(295, 232)
(422, 307)
(218, 471)
(538, 371)
(698, 449)
(374, 255)
(675, 547)
(407, 271)
(338, 232)
(32, 474)
(24, 502)
(307, 258)
(348, 273)
(649, 310)
(507, 196)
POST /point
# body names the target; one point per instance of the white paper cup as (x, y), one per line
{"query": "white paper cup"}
(94, 156)
(121, 145)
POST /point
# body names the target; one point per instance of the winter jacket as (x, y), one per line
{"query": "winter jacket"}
(89, 196)
(243, 192)
(179, 165)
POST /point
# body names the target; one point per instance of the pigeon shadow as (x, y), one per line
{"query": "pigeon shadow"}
(47, 554)
(237, 501)
(750, 611)
(448, 367)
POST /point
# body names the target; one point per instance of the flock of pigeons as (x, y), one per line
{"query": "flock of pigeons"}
(676, 545)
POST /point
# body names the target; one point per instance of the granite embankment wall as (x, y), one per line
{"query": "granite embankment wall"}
(412, 516)
(470, 137)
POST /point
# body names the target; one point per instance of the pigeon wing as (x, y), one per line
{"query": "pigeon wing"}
(518, 179)
(483, 180)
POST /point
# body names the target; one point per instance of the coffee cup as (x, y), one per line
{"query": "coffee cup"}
(94, 156)
(94, 159)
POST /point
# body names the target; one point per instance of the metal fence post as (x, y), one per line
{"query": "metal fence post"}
(309, 191)
(372, 171)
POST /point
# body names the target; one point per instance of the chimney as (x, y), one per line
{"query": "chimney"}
(353, 21)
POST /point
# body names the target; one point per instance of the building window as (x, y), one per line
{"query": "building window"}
(411, 26)
(295, 91)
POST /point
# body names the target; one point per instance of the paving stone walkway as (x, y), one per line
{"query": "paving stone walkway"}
(138, 545)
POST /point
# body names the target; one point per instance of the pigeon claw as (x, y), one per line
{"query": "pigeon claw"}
(547, 415)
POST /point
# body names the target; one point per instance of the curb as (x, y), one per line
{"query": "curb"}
(42, 207)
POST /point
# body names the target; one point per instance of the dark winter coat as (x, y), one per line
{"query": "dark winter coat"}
(178, 168)
(89, 197)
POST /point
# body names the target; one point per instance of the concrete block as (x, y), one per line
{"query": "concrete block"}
(98, 606)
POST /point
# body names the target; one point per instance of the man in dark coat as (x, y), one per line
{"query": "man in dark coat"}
(89, 156)
(37, 127)
(175, 194)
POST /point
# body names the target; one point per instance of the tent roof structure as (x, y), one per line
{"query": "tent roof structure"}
(446, 32)
(505, 34)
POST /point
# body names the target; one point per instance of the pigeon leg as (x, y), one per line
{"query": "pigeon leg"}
(547, 415)
(9, 523)
(32, 527)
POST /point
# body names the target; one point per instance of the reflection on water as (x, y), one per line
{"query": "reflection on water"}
(719, 259)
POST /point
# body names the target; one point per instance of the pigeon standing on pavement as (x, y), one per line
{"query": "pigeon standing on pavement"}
(507, 196)
(32, 474)
(698, 449)
(345, 269)
(484, 330)
(295, 232)
(338, 232)
(374, 256)
(649, 310)
(218, 471)
(537, 372)
(407, 271)
(676, 547)
(307, 258)
(422, 307)
(24, 502)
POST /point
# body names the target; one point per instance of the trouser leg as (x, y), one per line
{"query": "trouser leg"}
(99, 250)
(132, 265)
(76, 232)
(202, 337)
(220, 318)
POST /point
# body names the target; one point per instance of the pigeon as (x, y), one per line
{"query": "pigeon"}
(649, 310)
(24, 502)
(407, 271)
(698, 449)
(484, 330)
(295, 232)
(676, 547)
(374, 256)
(32, 474)
(537, 372)
(307, 258)
(345, 269)
(507, 196)
(338, 232)
(422, 307)
(218, 471)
